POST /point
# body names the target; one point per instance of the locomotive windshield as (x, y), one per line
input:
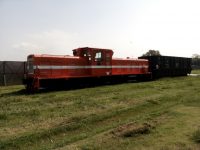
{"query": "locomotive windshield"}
(30, 68)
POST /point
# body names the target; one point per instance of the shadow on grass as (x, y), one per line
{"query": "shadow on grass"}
(196, 136)
(63, 88)
(15, 93)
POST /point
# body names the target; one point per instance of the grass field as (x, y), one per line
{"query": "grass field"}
(162, 114)
(196, 71)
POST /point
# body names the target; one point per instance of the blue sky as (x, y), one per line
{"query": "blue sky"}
(129, 27)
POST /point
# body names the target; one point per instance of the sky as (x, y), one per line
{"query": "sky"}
(129, 27)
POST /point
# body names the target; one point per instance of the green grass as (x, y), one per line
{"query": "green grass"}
(196, 71)
(93, 118)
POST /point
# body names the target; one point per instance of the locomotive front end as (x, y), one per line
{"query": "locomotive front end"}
(30, 78)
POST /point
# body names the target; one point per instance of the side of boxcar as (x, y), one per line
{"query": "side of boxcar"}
(168, 66)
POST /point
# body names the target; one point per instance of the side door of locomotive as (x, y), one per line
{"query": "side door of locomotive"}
(101, 63)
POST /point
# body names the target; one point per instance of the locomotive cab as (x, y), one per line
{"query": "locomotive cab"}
(99, 60)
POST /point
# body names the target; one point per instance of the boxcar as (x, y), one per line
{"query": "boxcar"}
(168, 66)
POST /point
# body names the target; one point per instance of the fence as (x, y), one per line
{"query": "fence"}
(12, 72)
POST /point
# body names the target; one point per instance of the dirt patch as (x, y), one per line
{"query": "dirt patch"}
(132, 129)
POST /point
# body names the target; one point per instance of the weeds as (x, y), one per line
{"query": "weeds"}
(3, 117)
(196, 136)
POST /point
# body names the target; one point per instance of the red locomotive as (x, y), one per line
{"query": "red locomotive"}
(86, 64)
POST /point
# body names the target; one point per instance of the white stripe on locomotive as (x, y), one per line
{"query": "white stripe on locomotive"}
(87, 67)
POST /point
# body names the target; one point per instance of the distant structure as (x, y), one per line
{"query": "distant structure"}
(12, 72)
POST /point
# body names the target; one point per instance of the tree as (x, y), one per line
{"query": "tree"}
(196, 61)
(195, 56)
(152, 53)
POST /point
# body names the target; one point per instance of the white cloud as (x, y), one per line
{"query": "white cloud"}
(26, 46)
(55, 42)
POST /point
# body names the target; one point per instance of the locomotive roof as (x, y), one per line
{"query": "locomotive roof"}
(52, 56)
(162, 56)
(93, 48)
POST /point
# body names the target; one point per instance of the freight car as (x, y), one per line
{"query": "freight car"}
(86, 65)
(168, 66)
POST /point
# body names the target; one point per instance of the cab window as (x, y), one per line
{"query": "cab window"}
(98, 56)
